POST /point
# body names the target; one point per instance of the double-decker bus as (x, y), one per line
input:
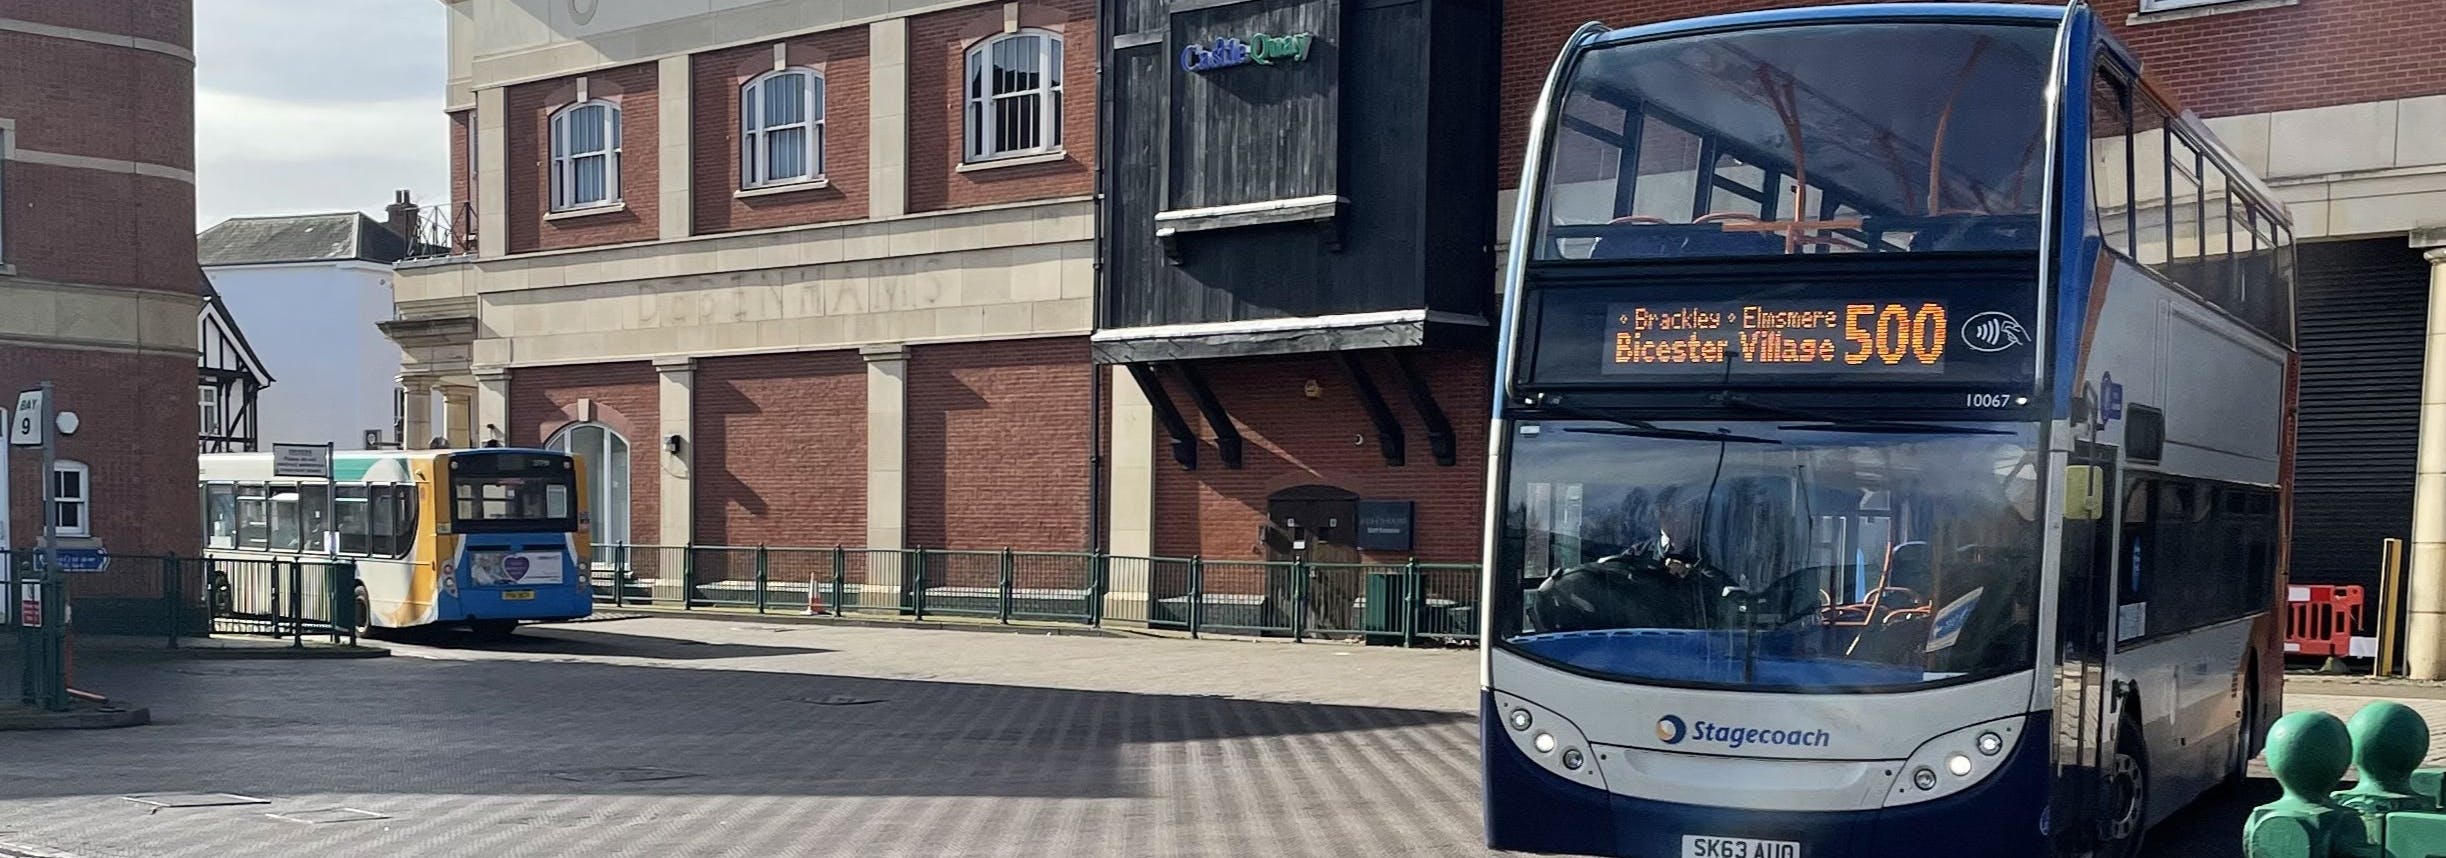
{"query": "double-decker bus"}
(486, 538)
(1891, 444)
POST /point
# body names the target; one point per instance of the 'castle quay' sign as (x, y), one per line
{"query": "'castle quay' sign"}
(1230, 51)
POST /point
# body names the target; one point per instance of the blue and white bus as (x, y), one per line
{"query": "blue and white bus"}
(1891, 445)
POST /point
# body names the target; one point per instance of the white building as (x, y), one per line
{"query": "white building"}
(311, 289)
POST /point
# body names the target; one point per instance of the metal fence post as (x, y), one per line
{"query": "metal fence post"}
(620, 574)
(1299, 600)
(1004, 587)
(687, 577)
(1197, 594)
(762, 569)
(1099, 577)
(348, 576)
(916, 580)
(297, 604)
(170, 594)
(840, 580)
(1413, 602)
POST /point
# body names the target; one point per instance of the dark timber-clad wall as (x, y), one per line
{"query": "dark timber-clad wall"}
(1391, 111)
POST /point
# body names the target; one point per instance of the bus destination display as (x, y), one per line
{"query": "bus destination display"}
(1833, 337)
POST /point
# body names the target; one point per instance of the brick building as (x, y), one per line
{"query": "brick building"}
(2343, 111)
(99, 292)
(788, 274)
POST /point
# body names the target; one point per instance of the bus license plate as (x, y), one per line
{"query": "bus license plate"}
(1697, 846)
(518, 595)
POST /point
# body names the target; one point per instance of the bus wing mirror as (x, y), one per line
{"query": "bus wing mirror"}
(2084, 493)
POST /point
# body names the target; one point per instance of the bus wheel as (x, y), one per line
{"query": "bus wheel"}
(363, 621)
(493, 630)
(2246, 738)
(2124, 820)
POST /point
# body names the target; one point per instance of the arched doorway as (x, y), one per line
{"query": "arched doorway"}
(1320, 525)
(605, 456)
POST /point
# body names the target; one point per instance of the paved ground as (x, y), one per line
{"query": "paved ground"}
(671, 737)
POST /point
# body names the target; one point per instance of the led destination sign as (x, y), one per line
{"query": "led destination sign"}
(1829, 337)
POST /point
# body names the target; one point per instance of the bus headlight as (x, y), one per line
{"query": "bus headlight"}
(1573, 759)
(1521, 719)
(1959, 765)
(1925, 778)
(1544, 743)
(1950, 762)
(1991, 744)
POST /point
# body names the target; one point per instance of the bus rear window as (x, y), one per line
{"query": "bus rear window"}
(495, 492)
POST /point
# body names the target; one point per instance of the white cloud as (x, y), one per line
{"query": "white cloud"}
(313, 108)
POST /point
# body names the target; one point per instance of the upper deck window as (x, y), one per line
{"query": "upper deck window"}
(1820, 138)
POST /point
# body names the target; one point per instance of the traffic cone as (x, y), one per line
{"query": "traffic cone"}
(815, 599)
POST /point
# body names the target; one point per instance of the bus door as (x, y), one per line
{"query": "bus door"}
(2087, 716)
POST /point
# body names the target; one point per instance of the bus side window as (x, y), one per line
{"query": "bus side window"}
(384, 500)
(221, 515)
(403, 538)
(355, 520)
(312, 507)
(254, 517)
(2110, 158)
(286, 535)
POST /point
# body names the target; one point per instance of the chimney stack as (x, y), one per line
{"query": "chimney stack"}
(401, 218)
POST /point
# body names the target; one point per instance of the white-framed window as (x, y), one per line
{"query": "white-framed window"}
(2148, 6)
(781, 128)
(604, 456)
(585, 155)
(208, 406)
(72, 497)
(1014, 95)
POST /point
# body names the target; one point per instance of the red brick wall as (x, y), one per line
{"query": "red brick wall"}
(840, 56)
(1290, 440)
(780, 456)
(96, 227)
(2316, 53)
(143, 462)
(997, 444)
(938, 45)
(627, 397)
(530, 108)
(462, 188)
(171, 21)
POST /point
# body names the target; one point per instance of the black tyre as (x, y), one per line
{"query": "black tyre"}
(2123, 819)
(2246, 741)
(362, 618)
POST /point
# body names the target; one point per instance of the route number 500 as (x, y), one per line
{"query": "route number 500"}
(1893, 333)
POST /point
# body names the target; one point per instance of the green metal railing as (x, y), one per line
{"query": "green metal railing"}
(1401, 603)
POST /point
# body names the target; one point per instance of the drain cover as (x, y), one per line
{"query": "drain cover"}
(623, 775)
(194, 799)
(328, 814)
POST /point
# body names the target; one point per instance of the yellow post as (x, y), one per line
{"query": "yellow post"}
(2390, 593)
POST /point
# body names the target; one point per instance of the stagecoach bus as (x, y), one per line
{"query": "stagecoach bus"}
(485, 538)
(1891, 444)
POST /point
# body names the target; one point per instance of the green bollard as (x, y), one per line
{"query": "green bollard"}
(2308, 752)
(2389, 740)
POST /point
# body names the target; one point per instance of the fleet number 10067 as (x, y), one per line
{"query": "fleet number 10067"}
(1991, 400)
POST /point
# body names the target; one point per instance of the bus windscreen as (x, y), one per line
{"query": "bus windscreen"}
(1828, 138)
(513, 492)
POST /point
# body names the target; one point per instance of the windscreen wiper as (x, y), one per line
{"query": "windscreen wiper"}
(1839, 423)
(1645, 429)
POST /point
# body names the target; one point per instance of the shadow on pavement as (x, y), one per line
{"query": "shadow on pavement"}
(2212, 827)
(410, 726)
(563, 640)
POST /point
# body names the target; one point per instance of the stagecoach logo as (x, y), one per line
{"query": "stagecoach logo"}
(1994, 331)
(1672, 730)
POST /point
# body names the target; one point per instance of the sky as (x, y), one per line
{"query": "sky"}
(309, 106)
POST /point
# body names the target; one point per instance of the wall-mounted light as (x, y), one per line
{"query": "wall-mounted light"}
(671, 445)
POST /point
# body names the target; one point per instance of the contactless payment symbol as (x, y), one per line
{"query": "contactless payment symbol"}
(1994, 331)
